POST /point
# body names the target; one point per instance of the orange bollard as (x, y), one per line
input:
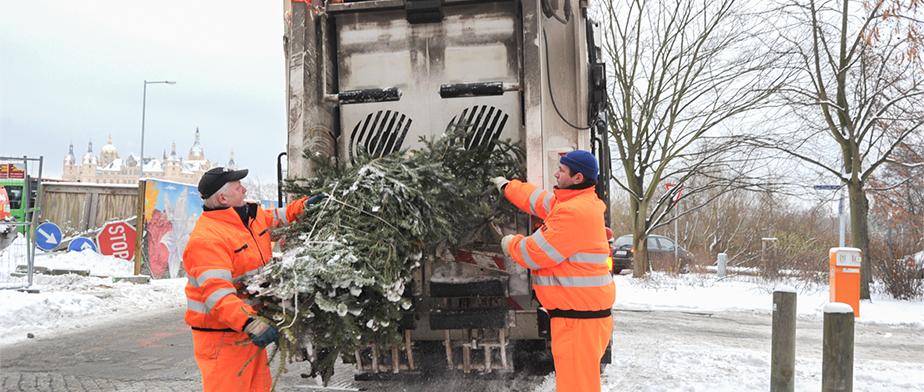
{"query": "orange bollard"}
(844, 276)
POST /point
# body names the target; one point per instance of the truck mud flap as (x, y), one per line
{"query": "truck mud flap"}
(483, 288)
(471, 318)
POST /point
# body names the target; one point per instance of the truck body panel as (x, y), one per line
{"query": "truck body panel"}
(374, 77)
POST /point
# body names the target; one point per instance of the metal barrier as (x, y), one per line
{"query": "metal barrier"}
(17, 259)
(22, 251)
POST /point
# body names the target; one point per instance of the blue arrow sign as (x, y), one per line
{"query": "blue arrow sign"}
(47, 236)
(827, 187)
(81, 244)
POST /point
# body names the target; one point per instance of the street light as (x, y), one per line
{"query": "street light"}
(144, 96)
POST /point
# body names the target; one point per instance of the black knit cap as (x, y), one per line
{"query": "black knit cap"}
(216, 178)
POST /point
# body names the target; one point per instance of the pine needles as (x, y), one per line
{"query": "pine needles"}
(343, 280)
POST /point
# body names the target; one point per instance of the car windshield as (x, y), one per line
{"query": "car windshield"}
(623, 241)
(15, 195)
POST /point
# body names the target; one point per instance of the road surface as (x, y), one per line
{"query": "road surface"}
(154, 353)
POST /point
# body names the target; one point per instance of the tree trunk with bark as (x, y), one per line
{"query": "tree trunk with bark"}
(859, 233)
(640, 262)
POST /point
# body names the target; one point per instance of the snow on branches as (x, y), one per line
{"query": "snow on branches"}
(344, 279)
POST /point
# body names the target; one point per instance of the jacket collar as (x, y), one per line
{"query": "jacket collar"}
(566, 194)
(232, 215)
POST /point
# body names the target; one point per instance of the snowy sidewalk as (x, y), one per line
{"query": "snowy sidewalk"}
(698, 333)
(706, 293)
(70, 302)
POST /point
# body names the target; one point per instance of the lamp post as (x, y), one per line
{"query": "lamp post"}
(144, 96)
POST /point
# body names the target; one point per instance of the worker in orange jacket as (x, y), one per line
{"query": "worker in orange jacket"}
(567, 258)
(230, 242)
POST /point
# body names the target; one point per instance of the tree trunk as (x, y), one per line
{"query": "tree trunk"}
(639, 239)
(859, 232)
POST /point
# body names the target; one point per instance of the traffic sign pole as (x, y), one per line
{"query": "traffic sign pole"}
(841, 216)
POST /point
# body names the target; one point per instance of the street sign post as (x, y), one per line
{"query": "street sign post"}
(841, 217)
(676, 198)
(117, 239)
(81, 244)
(47, 236)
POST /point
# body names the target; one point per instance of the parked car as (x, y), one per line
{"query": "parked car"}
(660, 254)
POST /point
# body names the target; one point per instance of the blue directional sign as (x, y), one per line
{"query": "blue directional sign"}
(827, 187)
(47, 236)
(81, 244)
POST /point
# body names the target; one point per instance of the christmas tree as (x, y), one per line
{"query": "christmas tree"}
(348, 261)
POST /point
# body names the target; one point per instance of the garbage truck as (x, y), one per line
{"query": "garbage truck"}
(373, 77)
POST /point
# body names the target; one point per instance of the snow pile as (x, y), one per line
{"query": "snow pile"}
(67, 302)
(706, 293)
(10, 256)
(96, 263)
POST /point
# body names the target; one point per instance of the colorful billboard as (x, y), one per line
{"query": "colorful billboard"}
(170, 213)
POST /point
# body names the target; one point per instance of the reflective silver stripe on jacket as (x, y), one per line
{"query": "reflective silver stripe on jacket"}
(525, 254)
(547, 247)
(573, 281)
(591, 258)
(217, 296)
(281, 215)
(547, 202)
(196, 306)
(532, 200)
(249, 274)
(222, 274)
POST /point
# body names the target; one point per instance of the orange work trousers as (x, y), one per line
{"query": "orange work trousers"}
(221, 358)
(577, 347)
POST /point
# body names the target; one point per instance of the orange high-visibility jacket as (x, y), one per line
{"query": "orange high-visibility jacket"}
(221, 252)
(567, 255)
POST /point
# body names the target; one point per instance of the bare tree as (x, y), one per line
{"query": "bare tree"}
(680, 70)
(859, 95)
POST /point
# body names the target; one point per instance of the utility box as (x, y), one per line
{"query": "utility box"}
(844, 276)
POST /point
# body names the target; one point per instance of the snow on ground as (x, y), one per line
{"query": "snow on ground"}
(704, 292)
(67, 302)
(721, 339)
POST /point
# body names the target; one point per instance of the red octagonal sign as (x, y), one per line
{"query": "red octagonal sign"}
(117, 239)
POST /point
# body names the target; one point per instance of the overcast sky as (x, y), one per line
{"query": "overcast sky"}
(74, 72)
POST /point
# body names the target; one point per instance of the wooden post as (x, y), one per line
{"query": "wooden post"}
(448, 343)
(837, 360)
(466, 357)
(783, 346)
(502, 337)
(375, 358)
(139, 227)
(359, 360)
(409, 349)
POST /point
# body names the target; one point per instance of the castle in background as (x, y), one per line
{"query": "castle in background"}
(109, 168)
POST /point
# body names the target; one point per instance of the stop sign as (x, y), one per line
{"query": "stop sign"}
(117, 239)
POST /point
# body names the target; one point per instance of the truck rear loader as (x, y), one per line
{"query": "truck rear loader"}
(373, 77)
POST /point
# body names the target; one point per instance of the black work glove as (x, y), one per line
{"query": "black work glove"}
(261, 333)
(315, 199)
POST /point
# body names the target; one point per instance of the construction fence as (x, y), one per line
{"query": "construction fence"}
(162, 212)
(81, 207)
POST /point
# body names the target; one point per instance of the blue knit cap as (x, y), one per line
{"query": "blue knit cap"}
(580, 161)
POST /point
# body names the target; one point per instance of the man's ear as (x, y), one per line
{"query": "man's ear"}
(579, 178)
